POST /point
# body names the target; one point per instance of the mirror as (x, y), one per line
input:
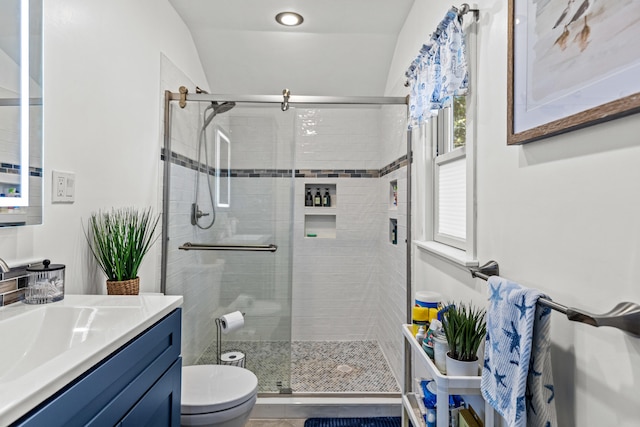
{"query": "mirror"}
(20, 112)
(223, 169)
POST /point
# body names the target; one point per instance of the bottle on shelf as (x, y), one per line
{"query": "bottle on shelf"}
(440, 349)
(326, 200)
(420, 336)
(308, 199)
(435, 326)
(317, 200)
(395, 195)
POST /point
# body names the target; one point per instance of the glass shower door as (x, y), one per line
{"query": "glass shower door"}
(244, 180)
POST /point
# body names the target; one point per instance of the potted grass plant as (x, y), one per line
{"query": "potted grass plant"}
(465, 327)
(119, 239)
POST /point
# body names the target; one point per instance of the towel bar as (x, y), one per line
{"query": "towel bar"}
(624, 316)
(224, 247)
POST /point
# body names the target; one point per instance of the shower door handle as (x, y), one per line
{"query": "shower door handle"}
(222, 247)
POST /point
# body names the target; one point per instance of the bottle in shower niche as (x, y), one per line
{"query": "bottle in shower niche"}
(317, 200)
(326, 199)
(308, 199)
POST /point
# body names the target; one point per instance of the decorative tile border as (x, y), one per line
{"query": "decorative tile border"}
(337, 173)
(180, 160)
(35, 171)
(15, 169)
(395, 165)
(13, 289)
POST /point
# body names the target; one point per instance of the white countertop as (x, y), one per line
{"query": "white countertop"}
(45, 347)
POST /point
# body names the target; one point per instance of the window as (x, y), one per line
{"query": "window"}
(445, 178)
(450, 176)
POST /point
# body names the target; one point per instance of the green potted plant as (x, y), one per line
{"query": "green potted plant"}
(465, 327)
(119, 239)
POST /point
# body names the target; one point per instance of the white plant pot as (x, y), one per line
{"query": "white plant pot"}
(459, 368)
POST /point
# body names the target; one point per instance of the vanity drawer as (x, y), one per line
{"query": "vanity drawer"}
(107, 392)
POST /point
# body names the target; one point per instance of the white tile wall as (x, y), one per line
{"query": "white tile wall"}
(197, 279)
(335, 280)
(337, 138)
(392, 279)
(393, 131)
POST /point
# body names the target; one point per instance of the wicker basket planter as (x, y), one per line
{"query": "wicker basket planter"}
(124, 287)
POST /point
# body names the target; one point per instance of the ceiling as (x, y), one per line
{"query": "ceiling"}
(343, 47)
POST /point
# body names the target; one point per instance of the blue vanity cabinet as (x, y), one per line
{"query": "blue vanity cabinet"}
(138, 385)
(160, 406)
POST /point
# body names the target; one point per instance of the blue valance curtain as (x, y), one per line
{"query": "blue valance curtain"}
(439, 71)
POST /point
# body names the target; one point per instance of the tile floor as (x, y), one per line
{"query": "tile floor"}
(314, 366)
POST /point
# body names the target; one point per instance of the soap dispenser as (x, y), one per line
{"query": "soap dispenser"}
(317, 200)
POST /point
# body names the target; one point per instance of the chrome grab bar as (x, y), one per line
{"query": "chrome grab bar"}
(223, 247)
(624, 316)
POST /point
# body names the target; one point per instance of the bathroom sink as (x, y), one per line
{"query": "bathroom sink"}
(45, 347)
(39, 335)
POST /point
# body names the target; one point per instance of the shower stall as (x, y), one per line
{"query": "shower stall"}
(293, 211)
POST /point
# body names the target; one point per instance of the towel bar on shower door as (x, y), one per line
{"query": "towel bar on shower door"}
(624, 316)
(222, 247)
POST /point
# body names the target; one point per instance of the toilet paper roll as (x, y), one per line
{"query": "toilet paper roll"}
(231, 322)
(234, 358)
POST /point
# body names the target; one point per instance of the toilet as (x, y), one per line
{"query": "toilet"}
(217, 395)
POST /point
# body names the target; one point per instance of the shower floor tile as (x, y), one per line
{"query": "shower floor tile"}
(316, 366)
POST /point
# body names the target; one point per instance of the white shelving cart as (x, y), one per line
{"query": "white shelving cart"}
(446, 385)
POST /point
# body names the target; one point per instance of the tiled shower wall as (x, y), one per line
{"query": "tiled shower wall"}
(352, 287)
(335, 280)
(214, 283)
(258, 283)
(392, 284)
(186, 271)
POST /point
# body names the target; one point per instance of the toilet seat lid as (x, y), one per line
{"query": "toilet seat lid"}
(213, 388)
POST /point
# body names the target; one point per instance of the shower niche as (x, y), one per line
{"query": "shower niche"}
(393, 195)
(320, 210)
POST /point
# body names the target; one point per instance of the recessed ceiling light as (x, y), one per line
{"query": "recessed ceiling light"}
(290, 19)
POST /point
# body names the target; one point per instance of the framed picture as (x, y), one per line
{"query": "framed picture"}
(572, 63)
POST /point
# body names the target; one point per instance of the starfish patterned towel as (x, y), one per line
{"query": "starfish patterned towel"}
(517, 379)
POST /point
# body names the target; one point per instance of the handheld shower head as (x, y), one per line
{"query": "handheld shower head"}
(222, 108)
(217, 109)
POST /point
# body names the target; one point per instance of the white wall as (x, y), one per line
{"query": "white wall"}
(560, 215)
(102, 121)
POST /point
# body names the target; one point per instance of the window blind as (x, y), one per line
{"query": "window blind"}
(452, 199)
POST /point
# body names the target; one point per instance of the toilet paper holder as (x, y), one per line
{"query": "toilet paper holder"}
(219, 326)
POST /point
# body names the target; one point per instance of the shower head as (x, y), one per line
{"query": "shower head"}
(217, 109)
(222, 108)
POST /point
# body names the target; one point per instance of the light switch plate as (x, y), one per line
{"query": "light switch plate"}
(63, 188)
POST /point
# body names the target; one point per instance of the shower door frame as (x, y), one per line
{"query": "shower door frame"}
(184, 96)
